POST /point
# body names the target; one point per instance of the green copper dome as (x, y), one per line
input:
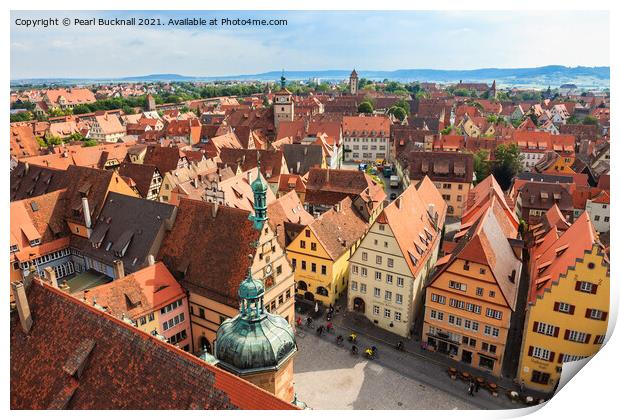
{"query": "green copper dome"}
(253, 340)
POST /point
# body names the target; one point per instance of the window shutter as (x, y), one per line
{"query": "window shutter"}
(588, 313)
(577, 285)
(566, 334)
(571, 309)
(530, 351)
(556, 306)
(604, 316)
(551, 356)
(588, 336)
(556, 331)
(535, 326)
(594, 287)
(560, 357)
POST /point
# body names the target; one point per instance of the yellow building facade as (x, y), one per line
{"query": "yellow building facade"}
(566, 322)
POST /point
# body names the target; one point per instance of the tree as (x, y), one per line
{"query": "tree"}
(590, 120)
(398, 113)
(365, 108)
(447, 130)
(572, 120)
(404, 105)
(481, 165)
(507, 163)
(22, 116)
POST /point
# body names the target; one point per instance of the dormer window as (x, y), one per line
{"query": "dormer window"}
(35, 242)
(14, 248)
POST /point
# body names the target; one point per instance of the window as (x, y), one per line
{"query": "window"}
(302, 244)
(483, 270)
(324, 270)
(546, 329)
(294, 263)
(479, 291)
(364, 256)
(399, 298)
(363, 287)
(491, 293)
(438, 298)
(278, 270)
(389, 278)
(587, 287)
(313, 267)
(142, 320)
(458, 286)
(355, 269)
(606, 219)
(353, 285)
(390, 262)
(378, 275)
(564, 307)
(307, 233)
(364, 272)
(540, 377)
(375, 310)
(313, 246)
(377, 292)
(576, 336)
(492, 313)
(597, 218)
(201, 313)
(303, 265)
(540, 353)
(387, 313)
(388, 295)
(400, 282)
(596, 314)
(471, 342)
(397, 316)
(171, 306)
(151, 316)
(381, 227)
(379, 260)
(451, 319)
(599, 339)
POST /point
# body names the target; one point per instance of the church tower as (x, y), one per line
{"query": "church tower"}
(259, 189)
(283, 106)
(353, 82)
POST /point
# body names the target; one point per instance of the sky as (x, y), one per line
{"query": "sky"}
(314, 40)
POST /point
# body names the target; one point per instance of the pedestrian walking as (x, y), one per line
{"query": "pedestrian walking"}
(470, 390)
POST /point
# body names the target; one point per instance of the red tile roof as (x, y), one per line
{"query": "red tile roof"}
(123, 367)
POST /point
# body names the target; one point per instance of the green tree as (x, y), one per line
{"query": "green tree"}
(89, 143)
(22, 116)
(481, 165)
(572, 120)
(401, 103)
(590, 120)
(399, 113)
(447, 130)
(507, 163)
(365, 107)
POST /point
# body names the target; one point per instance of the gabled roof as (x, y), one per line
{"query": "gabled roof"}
(141, 174)
(126, 229)
(557, 253)
(414, 227)
(442, 166)
(270, 161)
(164, 158)
(287, 210)
(301, 157)
(85, 182)
(207, 249)
(140, 293)
(77, 357)
(27, 181)
(487, 194)
(339, 228)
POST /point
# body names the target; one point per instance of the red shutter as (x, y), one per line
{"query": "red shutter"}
(588, 336)
(556, 306)
(594, 287)
(556, 331)
(535, 329)
(560, 357)
(551, 357)
(588, 313)
(530, 351)
(571, 310)
(577, 285)
(604, 316)
(566, 334)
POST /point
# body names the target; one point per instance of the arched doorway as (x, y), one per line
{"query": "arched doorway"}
(301, 285)
(309, 296)
(359, 305)
(322, 291)
(204, 344)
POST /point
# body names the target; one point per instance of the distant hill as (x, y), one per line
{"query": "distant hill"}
(554, 76)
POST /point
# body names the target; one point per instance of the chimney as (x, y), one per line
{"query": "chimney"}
(23, 309)
(150, 259)
(86, 211)
(327, 177)
(119, 269)
(26, 168)
(298, 166)
(431, 209)
(214, 209)
(50, 277)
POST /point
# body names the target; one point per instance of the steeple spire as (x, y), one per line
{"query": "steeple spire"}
(282, 80)
(259, 188)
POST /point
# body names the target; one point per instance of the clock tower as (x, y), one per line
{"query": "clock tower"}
(283, 105)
